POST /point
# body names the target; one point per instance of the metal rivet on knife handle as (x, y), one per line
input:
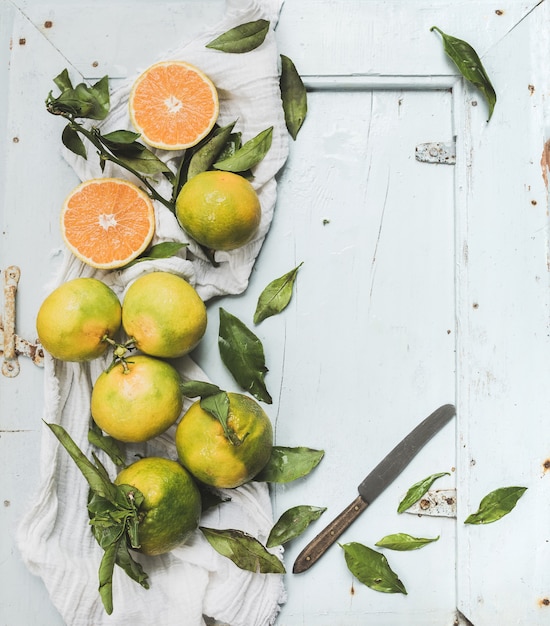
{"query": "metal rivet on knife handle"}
(328, 536)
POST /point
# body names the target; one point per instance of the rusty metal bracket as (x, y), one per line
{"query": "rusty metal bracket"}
(435, 503)
(11, 346)
(436, 152)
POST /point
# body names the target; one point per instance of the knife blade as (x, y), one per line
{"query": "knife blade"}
(374, 484)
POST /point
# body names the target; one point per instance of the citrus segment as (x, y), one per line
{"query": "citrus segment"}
(220, 210)
(164, 315)
(173, 105)
(137, 400)
(107, 222)
(73, 320)
(205, 450)
(171, 503)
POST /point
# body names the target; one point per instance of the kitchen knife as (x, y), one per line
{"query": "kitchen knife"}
(374, 484)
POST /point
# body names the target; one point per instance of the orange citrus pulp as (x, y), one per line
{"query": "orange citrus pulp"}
(107, 222)
(173, 105)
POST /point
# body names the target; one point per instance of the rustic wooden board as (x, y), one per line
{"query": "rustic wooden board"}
(422, 284)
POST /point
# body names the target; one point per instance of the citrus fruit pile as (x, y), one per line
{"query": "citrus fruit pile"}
(108, 223)
(140, 396)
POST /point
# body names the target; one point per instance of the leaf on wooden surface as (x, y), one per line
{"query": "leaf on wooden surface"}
(294, 96)
(495, 505)
(372, 568)
(276, 296)
(243, 354)
(404, 542)
(469, 65)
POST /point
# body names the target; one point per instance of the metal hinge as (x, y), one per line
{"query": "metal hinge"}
(436, 152)
(11, 346)
(435, 503)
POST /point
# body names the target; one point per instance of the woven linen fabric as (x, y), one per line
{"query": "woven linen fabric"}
(192, 585)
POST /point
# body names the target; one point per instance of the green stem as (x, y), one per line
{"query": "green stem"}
(106, 156)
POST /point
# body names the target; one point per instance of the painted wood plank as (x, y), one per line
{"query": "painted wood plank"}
(364, 350)
(504, 351)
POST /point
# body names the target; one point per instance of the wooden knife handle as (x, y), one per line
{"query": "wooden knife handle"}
(318, 546)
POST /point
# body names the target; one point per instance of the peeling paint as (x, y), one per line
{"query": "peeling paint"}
(545, 162)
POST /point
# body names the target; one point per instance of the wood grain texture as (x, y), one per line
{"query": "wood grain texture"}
(422, 284)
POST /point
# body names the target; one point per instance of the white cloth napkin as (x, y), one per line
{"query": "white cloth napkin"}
(193, 582)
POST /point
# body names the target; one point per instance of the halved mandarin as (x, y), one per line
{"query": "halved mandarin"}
(107, 222)
(173, 105)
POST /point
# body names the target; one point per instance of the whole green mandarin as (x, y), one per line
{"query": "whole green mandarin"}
(172, 503)
(164, 314)
(205, 450)
(74, 319)
(220, 210)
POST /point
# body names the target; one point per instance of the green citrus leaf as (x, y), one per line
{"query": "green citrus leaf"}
(418, 490)
(132, 568)
(108, 444)
(244, 550)
(211, 497)
(243, 355)
(288, 464)
(218, 406)
(94, 476)
(163, 250)
(234, 143)
(63, 81)
(106, 568)
(251, 153)
(496, 505)
(138, 157)
(372, 568)
(196, 388)
(403, 542)
(80, 101)
(294, 96)
(276, 296)
(242, 38)
(99, 98)
(72, 141)
(469, 65)
(120, 138)
(292, 524)
(203, 159)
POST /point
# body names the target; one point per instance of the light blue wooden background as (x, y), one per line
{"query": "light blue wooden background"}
(421, 284)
